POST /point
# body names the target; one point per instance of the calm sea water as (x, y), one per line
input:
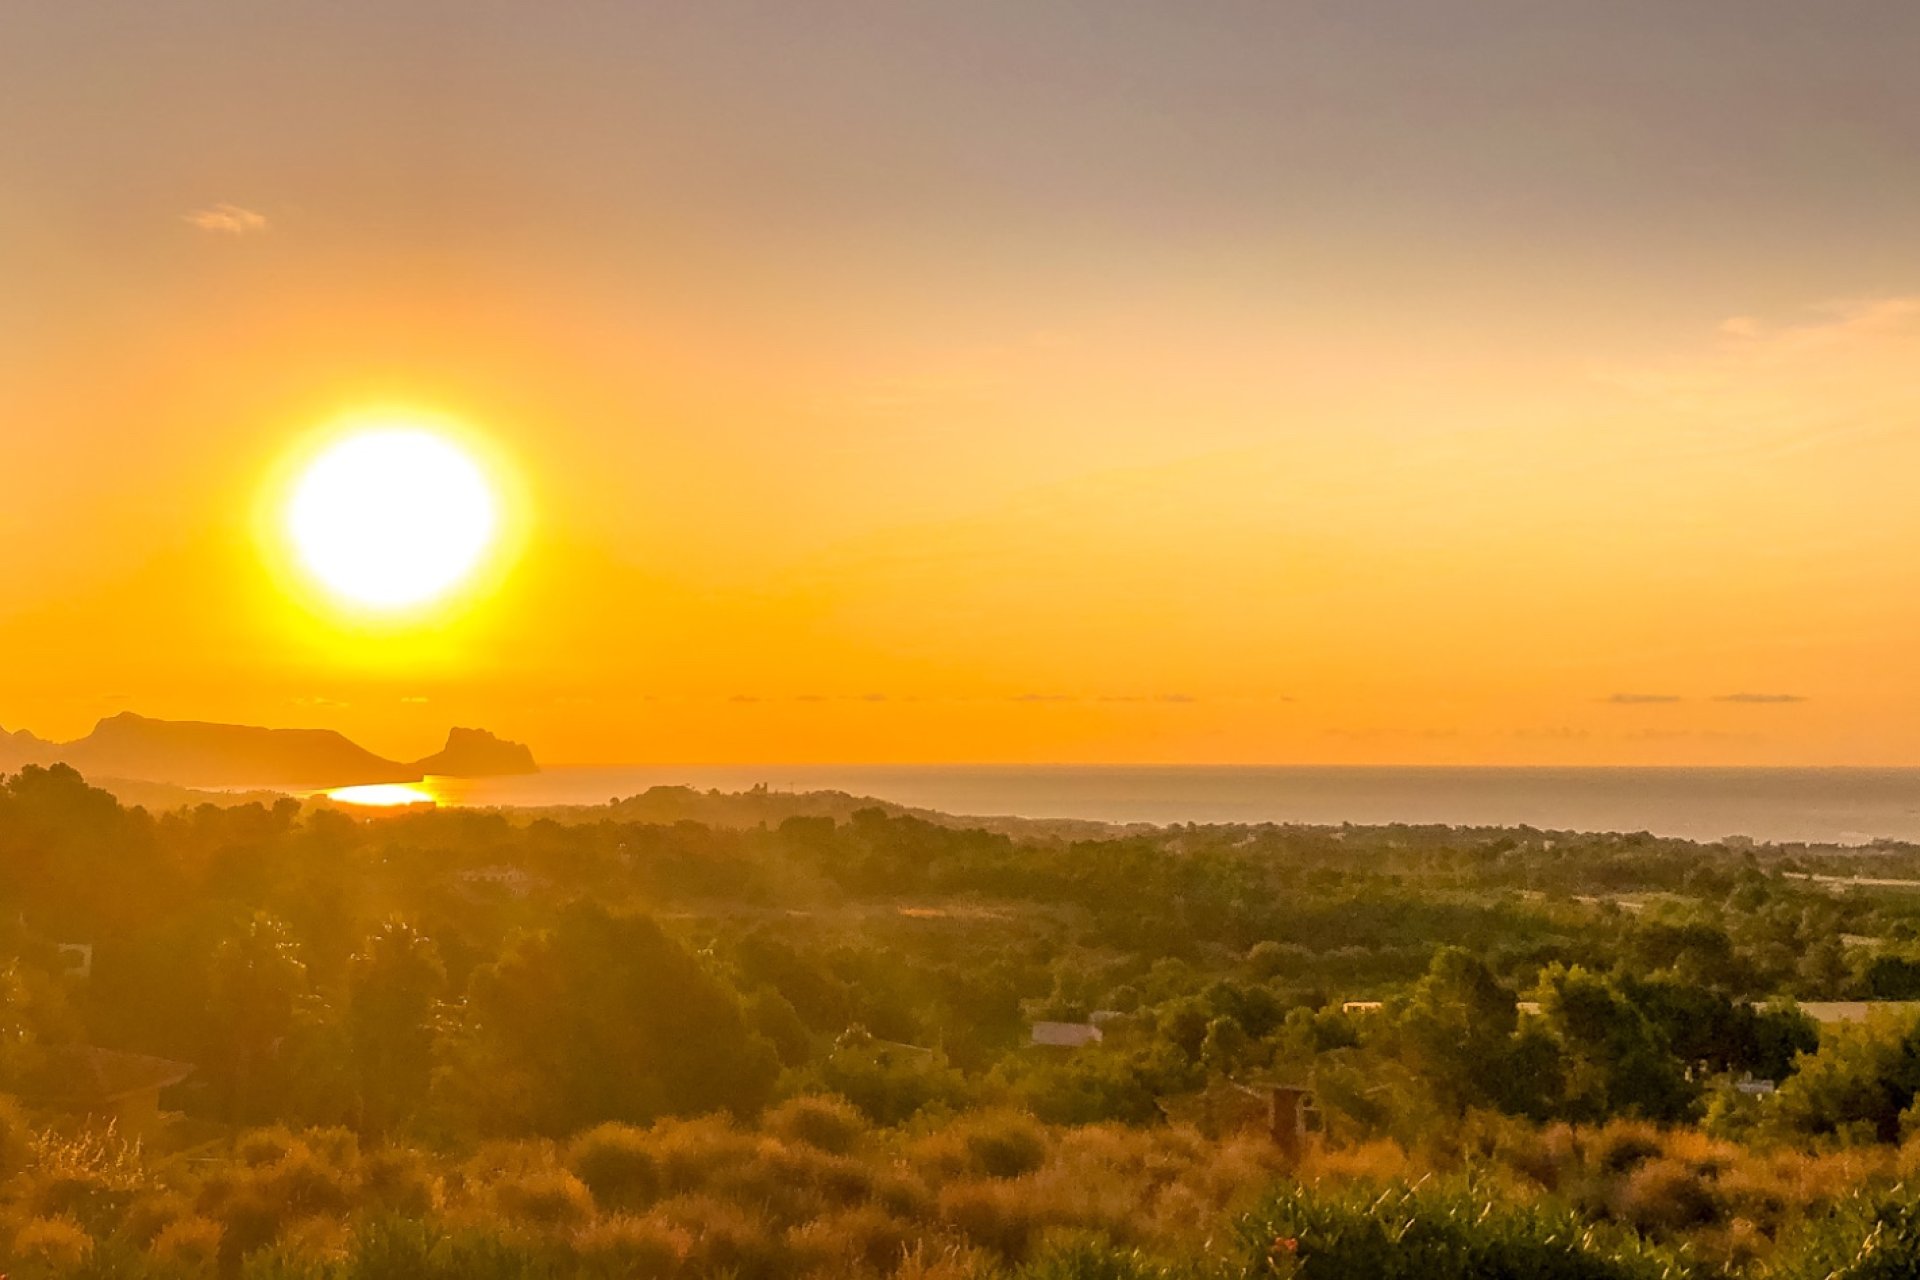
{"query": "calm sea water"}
(1817, 805)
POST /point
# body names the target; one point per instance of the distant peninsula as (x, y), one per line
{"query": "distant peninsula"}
(189, 753)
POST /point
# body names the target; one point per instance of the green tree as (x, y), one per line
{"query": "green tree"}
(257, 980)
(394, 985)
(1457, 1031)
(1859, 1082)
(1616, 1060)
(604, 1017)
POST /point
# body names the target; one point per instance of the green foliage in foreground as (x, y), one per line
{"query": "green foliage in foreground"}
(1863, 1240)
(1423, 1233)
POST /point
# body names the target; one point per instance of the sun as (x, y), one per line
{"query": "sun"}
(392, 518)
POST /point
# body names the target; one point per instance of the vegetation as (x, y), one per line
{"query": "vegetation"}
(767, 1036)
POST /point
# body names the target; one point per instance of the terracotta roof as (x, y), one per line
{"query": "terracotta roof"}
(87, 1076)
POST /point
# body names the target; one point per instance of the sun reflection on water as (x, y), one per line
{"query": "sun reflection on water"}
(383, 795)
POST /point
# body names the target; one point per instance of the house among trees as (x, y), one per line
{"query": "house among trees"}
(1065, 1035)
(106, 1086)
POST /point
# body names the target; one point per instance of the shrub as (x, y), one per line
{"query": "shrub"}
(818, 1120)
(725, 1238)
(266, 1146)
(304, 1183)
(58, 1244)
(633, 1248)
(1619, 1147)
(691, 1151)
(252, 1219)
(550, 1199)
(993, 1214)
(190, 1241)
(867, 1237)
(1666, 1196)
(90, 1177)
(617, 1163)
(151, 1214)
(1000, 1144)
(337, 1146)
(401, 1181)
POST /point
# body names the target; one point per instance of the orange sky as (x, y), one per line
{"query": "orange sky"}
(1260, 383)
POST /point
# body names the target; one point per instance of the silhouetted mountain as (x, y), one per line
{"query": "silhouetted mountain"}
(475, 753)
(22, 748)
(188, 753)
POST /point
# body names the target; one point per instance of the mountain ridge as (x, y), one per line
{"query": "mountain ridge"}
(198, 753)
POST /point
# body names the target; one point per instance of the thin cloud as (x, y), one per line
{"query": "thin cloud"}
(1043, 697)
(227, 220)
(1761, 699)
(1641, 699)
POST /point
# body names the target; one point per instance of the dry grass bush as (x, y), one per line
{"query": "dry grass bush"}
(314, 1239)
(633, 1248)
(264, 1146)
(825, 1120)
(617, 1163)
(251, 1219)
(401, 1180)
(992, 1144)
(1548, 1156)
(1069, 1198)
(1666, 1196)
(1705, 1153)
(1381, 1161)
(89, 1176)
(725, 1238)
(830, 1180)
(56, 1243)
(902, 1192)
(153, 1213)
(866, 1239)
(1623, 1144)
(691, 1151)
(1229, 1173)
(546, 1199)
(1772, 1189)
(770, 1186)
(1149, 1158)
(994, 1214)
(191, 1244)
(1181, 1215)
(337, 1146)
(498, 1159)
(305, 1183)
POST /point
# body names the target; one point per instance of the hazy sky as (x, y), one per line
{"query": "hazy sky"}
(1345, 381)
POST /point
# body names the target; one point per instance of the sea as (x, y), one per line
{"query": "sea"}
(1849, 806)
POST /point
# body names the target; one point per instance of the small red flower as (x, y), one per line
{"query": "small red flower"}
(1281, 1244)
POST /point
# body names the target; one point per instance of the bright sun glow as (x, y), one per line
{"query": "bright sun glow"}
(392, 517)
(382, 795)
